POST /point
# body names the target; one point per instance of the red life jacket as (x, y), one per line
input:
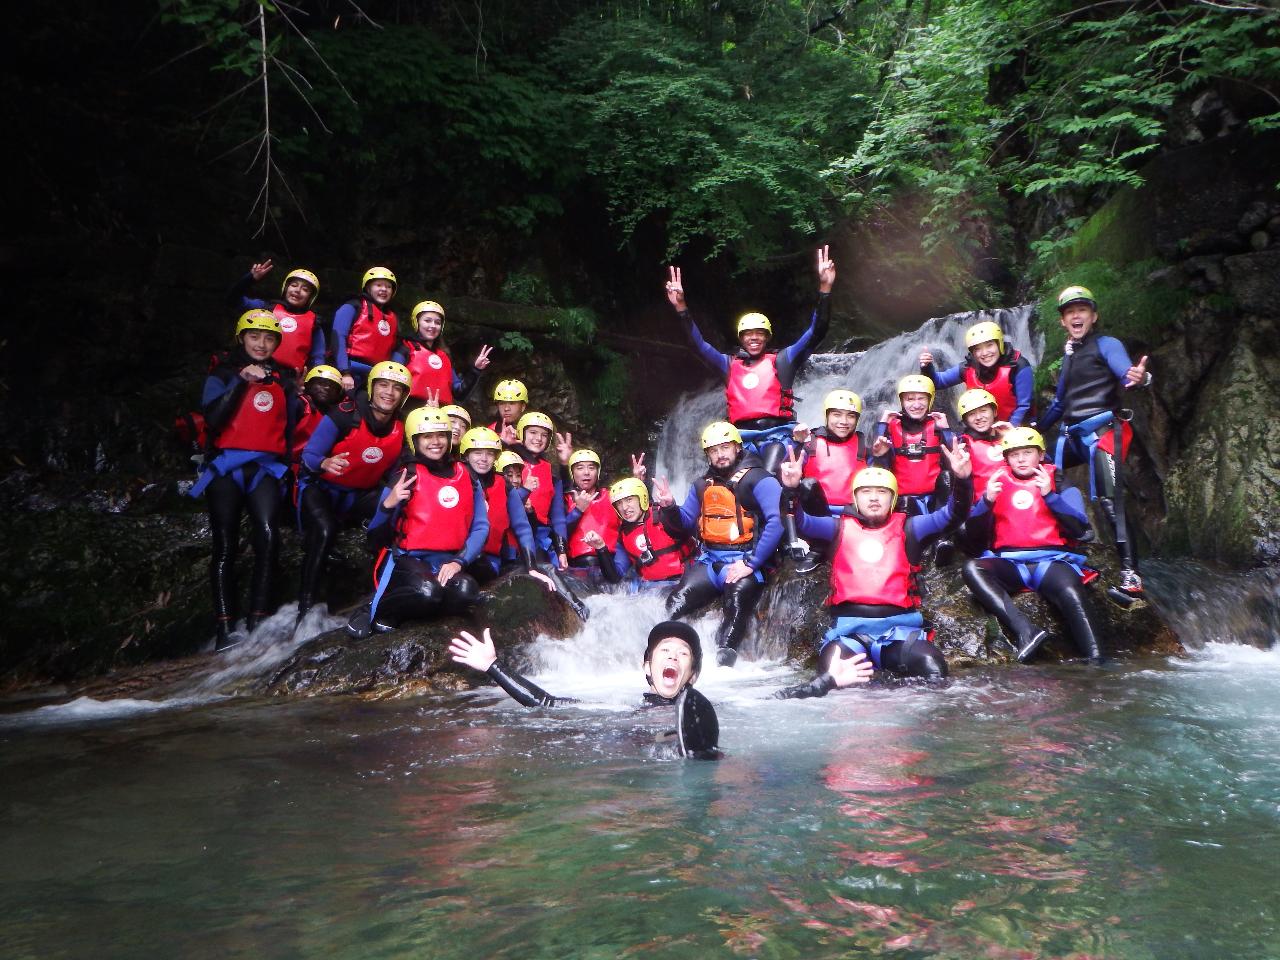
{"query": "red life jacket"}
(432, 370)
(1001, 385)
(666, 556)
(917, 457)
(870, 565)
(600, 517)
(986, 457)
(260, 420)
(373, 334)
(368, 455)
(540, 497)
(308, 420)
(833, 466)
(755, 391)
(495, 496)
(295, 345)
(439, 514)
(1022, 518)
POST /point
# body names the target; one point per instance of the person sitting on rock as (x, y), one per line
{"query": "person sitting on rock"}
(990, 365)
(831, 454)
(645, 544)
(321, 392)
(758, 380)
(303, 341)
(364, 328)
(541, 488)
(428, 358)
(1031, 526)
(431, 524)
(459, 422)
(733, 510)
(876, 555)
(1095, 373)
(343, 468)
(510, 400)
(590, 518)
(509, 532)
(981, 437)
(909, 444)
(250, 406)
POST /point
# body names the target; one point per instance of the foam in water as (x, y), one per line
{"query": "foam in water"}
(88, 710)
(270, 643)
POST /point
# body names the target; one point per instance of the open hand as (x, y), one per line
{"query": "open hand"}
(855, 669)
(564, 446)
(880, 446)
(473, 653)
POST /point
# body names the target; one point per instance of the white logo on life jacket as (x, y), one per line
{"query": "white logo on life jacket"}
(642, 542)
(384, 328)
(263, 401)
(288, 324)
(371, 454)
(870, 551)
(448, 497)
(994, 453)
(434, 361)
(1022, 499)
(751, 381)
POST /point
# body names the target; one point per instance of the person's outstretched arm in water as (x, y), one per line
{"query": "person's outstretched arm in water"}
(481, 655)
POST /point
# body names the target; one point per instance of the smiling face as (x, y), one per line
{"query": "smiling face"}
(514, 474)
(981, 419)
(1078, 319)
(585, 476)
(1023, 461)
(722, 455)
(458, 427)
(753, 342)
(670, 667)
(430, 324)
(260, 344)
(298, 293)
(536, 439)
(380, 291)
(509, 411)
(323, 392)
(841, 423)
(915, 405)
(874, 503)
(986, 353)
(385, 396)
(628, 509)
(432, 446)
(481, 460)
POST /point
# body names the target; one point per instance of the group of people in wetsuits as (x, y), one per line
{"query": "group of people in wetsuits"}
(367, 421)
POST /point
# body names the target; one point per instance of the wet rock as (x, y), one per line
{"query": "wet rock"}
(1254, 281)
(414, 659)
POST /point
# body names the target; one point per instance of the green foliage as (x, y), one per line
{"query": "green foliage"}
(574, 326)
(517, 342)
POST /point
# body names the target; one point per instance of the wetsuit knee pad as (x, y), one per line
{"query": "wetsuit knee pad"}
(462, 590)
(772, 456)
(915, 657)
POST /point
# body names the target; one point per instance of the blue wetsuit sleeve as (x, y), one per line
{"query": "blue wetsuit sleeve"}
(621, 559)
(1054, 413)
(766, 493)
(947, 517)
(318, 345)
(518, 518)
(342, 323)
(690, 511)
(216, 387)
(1068, 509)
(239, 297)
(382, 515)
(793, 357)
(556, 513)
(320, 443)
(818, 528)
(944, 378)
(1116, 356)
(401, 353)
(881, 429)
(1024, 385)
(218, 401)
(474, 545)
(712, 357)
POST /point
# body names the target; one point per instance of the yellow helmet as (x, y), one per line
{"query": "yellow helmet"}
(722, 431)
(424, 420)
(971, 400)
(453, 410)
(480, 438)
(324, 372)
(395, 372)
(583, 456)
(842, 400)
(510, 391)
(981, 333)
(258, 320)
(1072, 295)
(427, 306)
(876, 477)
(916, 383)
(378, 273)
(754, 321)
(534, 419)
(1021, 437)
(508, 458)
(297, 273)
(630, 487)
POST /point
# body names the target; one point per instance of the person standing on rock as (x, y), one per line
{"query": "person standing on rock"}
(758, 380)
(876, 556)
(431, 524)
(250, 406)
(1096, 372)
(733, 510)
(343, 467)
(1030, 526)
(364, 329)
(990, 365)
(428, 358)
(303, 343)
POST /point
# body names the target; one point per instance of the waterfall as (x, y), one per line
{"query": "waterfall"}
(1207, 605)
